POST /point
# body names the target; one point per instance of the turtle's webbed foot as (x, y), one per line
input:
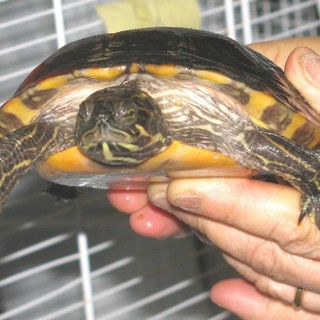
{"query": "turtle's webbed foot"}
(310, 206)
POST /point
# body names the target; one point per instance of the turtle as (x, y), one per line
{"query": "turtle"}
(119, 109)
(122, 110)
(159, 101)
(128, 108)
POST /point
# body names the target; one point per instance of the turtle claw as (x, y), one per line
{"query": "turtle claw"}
(310, 206)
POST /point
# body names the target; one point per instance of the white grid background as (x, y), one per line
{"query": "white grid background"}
(80, 260)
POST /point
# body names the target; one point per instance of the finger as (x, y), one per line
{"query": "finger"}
(244, 300)
(279, 50)
(153, 222)
(266, 210)
(264, 256)
(277, 290)
(128, 201)
(146, 219)
(303, 71)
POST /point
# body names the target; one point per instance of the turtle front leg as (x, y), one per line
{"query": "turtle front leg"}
(297, 164)
(258, 148)
(310, 200)
(21, 148)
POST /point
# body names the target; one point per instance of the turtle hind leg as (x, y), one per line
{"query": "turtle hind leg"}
(21, 148)
(64, 193)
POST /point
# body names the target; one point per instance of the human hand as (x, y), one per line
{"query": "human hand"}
(255, 215)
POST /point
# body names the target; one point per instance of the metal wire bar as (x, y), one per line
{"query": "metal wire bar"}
(24, 19)
(246, 21)
(84, 260)
(51, 265)
(156, 296)
(59, 23)
(188, 303)
(294, 31)
(283, 12)
(42, 299)
(230, 19)
(35, 248)
(27, 45)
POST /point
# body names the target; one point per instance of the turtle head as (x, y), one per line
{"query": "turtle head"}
(121, 126)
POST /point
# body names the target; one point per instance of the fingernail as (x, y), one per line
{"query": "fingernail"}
(157, 194)
(161, 201)
(310, 64)
(158, 197)
(188, 202)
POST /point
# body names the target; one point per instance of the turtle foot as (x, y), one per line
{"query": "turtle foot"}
(63, 193)
(310, 206)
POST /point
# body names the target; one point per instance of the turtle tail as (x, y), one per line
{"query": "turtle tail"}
(21, 148)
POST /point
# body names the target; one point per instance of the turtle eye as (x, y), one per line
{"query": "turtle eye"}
(130, 113)
(84, 111)
(127, 115)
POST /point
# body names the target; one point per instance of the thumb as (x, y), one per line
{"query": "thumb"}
(303, 71)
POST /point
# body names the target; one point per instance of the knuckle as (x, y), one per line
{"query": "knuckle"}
(263, 256)
(302, 240)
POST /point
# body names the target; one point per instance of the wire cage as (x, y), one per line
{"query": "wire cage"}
(80, 260)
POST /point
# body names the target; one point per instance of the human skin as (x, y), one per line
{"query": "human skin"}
(253, 222)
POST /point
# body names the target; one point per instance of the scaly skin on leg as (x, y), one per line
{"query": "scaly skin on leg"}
(21, 148)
